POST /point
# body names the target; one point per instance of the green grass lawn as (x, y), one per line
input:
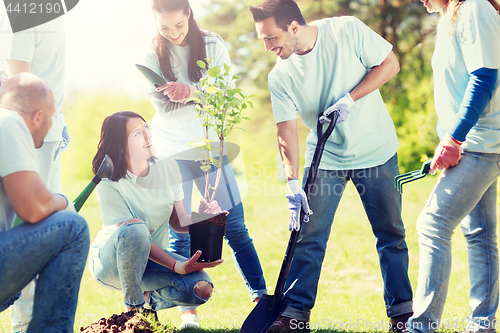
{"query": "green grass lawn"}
(350, 296)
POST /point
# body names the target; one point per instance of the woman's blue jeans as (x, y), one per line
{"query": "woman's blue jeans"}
(245, 256)
(122, 264)
(467, 195)
(56, 250)
(382, 204)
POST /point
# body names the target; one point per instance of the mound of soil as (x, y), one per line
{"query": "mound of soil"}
(207, 219)
(127, 322)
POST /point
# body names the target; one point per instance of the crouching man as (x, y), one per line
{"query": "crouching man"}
(53, 243)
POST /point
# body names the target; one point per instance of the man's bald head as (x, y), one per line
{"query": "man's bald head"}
(25, 93)
(33, 99)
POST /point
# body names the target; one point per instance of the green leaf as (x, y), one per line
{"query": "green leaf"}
(213, 72)
(234, 91)
(201, 64)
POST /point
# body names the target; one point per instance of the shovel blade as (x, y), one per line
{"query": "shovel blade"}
(265, 313)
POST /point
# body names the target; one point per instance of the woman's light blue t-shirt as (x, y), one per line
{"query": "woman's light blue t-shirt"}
(150, 199)
(472, 42)
(174, 124)
(345, 51)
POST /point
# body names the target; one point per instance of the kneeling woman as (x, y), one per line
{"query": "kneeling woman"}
(139, 202)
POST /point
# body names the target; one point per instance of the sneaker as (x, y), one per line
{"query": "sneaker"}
(286, 324)
(189, 321)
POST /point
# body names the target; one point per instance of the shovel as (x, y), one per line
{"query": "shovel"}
(270, 307)
(155, 79)
(105, 171)
(404, 178)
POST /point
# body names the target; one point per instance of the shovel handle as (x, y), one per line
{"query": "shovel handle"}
(311, 176)
(83, 196)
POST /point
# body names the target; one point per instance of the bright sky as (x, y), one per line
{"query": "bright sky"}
(105, 39)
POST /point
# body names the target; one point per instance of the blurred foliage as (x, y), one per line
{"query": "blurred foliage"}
(404, 23)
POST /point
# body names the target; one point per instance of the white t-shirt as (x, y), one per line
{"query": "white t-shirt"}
(150, 199)
(472, 43)
(44, 47)
(345, 51)
(17, 153)
(175, 125)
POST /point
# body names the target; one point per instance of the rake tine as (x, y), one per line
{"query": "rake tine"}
(412, 175)
(400, 180)
(412, 179)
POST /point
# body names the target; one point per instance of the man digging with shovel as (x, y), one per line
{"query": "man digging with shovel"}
(335, 64)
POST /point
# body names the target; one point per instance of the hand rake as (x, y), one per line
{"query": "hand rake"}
(404, 178)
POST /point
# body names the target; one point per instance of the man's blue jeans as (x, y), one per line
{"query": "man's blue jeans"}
(467, 195)
(382, 204)
(122, 263)
(245, 256)
(56, 250)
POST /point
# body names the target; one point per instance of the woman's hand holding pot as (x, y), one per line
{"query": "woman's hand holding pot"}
(211, 207)
(190, 265)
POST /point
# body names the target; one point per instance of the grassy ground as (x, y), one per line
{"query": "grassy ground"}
(350, 290)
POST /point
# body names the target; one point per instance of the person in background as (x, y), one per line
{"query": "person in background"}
(465, 66)
(335, 64)
(42, 51)
(53, 243)
(176, 49)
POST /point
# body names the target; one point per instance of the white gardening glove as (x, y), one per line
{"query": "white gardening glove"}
(297, 200)
(343, 106)
(69, 204)
(191, 265)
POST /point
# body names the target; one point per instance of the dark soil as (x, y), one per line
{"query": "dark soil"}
(127, 322)
(205, 218)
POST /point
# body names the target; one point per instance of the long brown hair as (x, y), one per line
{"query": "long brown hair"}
(113, 143)
(195, 38)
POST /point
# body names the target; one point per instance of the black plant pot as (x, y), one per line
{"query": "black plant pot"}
(208, 236)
